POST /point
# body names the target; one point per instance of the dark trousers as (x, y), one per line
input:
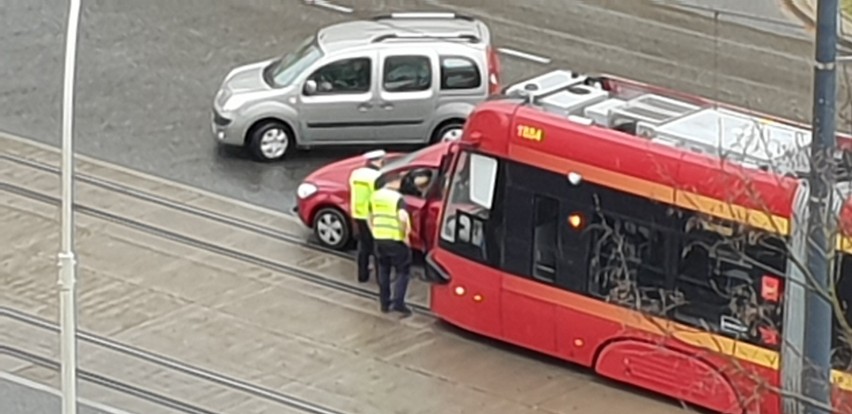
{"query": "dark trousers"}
(397, 256)
(366, 249)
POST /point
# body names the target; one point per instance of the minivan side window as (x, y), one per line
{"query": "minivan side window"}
(343, 77)
(459, 73)
(407, 74)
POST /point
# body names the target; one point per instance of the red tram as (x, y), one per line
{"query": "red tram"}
(649, 235)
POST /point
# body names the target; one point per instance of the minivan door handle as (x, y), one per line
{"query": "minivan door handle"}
(364, 106)
(387, 105)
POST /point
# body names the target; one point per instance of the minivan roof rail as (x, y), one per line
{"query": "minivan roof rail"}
(423, 15)
(416, 36)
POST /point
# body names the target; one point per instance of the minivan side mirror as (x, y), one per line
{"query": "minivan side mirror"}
(310, 87)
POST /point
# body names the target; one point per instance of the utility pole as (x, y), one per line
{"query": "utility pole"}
(816, 370)
(67, 262)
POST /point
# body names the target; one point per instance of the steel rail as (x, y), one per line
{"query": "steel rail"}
(311, 277)
(182, 207)
(173, 364)
(107, 382)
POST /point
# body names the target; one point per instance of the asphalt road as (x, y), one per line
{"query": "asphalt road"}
(767, 15)
(148, 70)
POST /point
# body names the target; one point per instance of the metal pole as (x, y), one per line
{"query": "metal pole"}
(818, 312)
(67, 264)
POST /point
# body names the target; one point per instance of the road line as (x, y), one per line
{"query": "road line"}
(329, 5)
(524, 55)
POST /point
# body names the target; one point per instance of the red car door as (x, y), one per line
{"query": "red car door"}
(415, 208)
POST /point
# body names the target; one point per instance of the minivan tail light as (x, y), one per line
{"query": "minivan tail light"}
(493, 72)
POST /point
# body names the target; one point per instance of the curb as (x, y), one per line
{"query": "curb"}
(807, 16)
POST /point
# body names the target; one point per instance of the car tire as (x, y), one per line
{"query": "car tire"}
(449, 131)
(332, 228)
(270, 140)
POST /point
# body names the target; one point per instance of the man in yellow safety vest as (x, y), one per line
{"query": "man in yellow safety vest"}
(361, 186)
(390, 225)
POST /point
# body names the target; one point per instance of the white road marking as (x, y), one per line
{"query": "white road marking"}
(524, 55)
(329, 5)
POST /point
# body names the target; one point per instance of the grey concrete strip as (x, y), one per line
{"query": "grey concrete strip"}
(209, 231)
(115, 373)
(21, 396)
(11, 364)
(259, 407)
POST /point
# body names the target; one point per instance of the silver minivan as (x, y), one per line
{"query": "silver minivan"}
(403, 78)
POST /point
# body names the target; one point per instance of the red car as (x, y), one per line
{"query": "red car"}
(323, 197)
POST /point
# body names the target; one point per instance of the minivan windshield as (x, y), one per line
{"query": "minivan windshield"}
(282, 72)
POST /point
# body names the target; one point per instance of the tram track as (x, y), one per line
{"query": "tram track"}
(225, 381)
(107, 382)
(165, 362)
(288, 269)
(174, 205)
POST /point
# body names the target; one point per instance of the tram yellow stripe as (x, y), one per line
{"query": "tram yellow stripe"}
(696, 202)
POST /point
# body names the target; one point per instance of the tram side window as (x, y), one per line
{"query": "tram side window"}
(728, 279)
(841, 355)
(466, 228)
(627, 250)
(545, 238)
(626, 264)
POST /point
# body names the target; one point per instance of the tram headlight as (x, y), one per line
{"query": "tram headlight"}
(575, 220)
(306, 190)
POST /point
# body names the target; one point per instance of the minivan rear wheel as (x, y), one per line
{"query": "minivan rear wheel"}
(449, 131)
(270, 140)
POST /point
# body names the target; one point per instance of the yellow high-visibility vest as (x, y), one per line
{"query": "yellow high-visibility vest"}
(384, 216)
(362, 182)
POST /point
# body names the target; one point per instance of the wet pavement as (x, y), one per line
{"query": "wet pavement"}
(773, 16)
(148, 70)
(26, 397)
(249, 316)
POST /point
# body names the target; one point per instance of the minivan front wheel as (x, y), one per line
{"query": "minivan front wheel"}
(270, 140)
(448, 132)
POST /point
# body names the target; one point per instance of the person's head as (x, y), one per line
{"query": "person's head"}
(421, 181)
(394, 183)
(375, 158)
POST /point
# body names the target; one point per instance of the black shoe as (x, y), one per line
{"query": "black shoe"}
(363, 279)
(385, 309)
(403, 310)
